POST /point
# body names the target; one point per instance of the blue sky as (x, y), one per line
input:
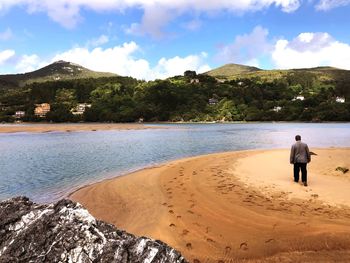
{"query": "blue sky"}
(150, 39)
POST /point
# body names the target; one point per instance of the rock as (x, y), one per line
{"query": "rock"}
(66, 232)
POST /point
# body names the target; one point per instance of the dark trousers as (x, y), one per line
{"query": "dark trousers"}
(297, 168)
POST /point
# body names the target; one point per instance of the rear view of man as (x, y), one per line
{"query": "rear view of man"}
(300, 156)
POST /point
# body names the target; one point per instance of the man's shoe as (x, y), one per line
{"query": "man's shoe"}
(305, 183)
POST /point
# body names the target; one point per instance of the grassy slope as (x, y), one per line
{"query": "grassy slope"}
(59, 70)
(233, 71)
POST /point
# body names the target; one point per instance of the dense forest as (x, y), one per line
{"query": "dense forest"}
(298, 96)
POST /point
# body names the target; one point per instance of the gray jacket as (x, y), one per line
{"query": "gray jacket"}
(299, 153)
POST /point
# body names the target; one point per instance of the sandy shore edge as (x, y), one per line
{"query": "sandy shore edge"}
(233, 206)
(43, 128)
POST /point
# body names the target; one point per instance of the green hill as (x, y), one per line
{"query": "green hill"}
(322, 74)
(59, 70)
(229, 70)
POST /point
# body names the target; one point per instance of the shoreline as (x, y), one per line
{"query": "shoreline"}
(73, 127)
(203, 207)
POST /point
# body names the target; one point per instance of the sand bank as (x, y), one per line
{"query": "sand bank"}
(234, 207)
(72, 127)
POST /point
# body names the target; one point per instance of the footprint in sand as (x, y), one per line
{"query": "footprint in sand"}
(243, 246)
(164, 204)
(196, 261)
(178, 217)
(228, 249)
(210, 240)
(194, 172)
(270, 240)
(172, 225)
(190, 211)
(170, 206)
(189, 246)
(185, 232)
(171, 211)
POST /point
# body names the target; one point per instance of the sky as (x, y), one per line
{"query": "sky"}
(151, 39)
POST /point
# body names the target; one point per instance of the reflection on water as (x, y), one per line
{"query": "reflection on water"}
(47, 166)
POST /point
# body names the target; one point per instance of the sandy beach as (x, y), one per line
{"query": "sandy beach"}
(234, 207)
(64, 127)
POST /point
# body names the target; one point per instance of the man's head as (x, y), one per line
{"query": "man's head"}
(298, 138)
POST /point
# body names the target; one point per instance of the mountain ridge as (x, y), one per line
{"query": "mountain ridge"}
(234, 71)
(58, 70)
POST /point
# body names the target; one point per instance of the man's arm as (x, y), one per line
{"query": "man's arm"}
(308, 156)
(292, 152)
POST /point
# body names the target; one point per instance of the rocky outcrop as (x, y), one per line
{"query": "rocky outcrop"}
(66, 232)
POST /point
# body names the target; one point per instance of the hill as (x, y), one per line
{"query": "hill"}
(231, 70)
(59, 70)
(322, 74)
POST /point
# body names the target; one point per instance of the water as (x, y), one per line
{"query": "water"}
(48, 166)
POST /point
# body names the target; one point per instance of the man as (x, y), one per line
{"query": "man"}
(300, 156)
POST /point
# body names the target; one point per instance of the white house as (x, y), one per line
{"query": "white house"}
(299, 98)
(213, 101)
(277, 108)
(19, 114)
(80, 108)
(340, 99)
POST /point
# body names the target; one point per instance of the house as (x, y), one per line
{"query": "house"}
(42, 109)
(212, 101)
(80, 108)
(299, 98)
(277, 108)
(19, 114)
(340, 99)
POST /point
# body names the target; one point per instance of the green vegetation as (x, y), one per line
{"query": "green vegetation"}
(231, 70)
(60, 70)
(256, 95)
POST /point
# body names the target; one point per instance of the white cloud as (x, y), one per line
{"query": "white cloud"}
(193, 25)
(325, 5)
(311, 50)
(6, 35)
(28, 63)
(247, 48)
(6, 55)
(101, 40)
(157, 13)
(178, 65)
(121, 60)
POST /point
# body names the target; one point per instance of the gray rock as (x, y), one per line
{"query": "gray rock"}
(66, 232)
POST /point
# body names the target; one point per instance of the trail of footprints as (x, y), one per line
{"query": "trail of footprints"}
(226, 184)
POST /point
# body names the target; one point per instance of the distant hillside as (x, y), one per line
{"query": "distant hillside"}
(60, 70)
(229, 70)
(323, 74)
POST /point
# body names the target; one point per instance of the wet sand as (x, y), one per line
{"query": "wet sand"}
(39, 128)
(234, 207)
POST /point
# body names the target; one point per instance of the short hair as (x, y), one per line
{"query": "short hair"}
(297, 137)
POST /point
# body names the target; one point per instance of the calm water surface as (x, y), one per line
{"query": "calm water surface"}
(48, 166)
